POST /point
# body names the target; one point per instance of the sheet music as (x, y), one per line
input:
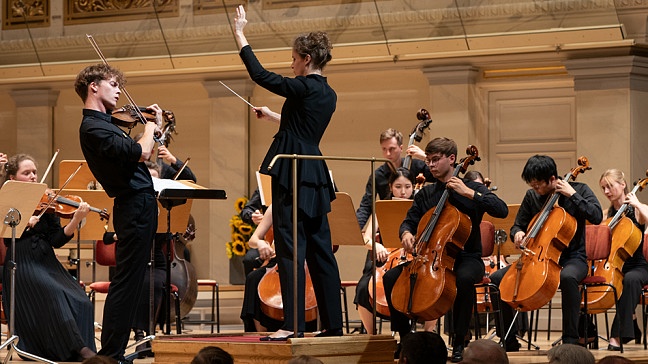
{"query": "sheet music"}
(163, 184)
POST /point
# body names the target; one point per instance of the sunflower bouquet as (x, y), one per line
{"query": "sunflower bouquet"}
(241, 232)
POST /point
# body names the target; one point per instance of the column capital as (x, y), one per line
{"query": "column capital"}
(624, 72)
(35, 97)
(450, 75)
(241, 86)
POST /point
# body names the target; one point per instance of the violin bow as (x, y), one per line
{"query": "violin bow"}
(49, 166)
(51, 200)
(175, 177)
(136, 109)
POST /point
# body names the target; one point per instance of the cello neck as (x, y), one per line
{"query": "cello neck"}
(429, 228)
(546, 209)
(619, 214)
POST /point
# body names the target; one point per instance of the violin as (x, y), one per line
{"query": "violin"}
(536, 276)
(426, 288)
(65, 206)
(626, 238)
(127, 116)
(417, 133)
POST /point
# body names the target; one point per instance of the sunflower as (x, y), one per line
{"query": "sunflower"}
(239, 204)
(240, 232)
(238, 248)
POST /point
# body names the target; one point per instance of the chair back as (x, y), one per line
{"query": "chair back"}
(105, 253)
(598, 241)
(487, 230)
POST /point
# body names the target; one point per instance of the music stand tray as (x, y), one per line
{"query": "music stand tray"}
(390, 215)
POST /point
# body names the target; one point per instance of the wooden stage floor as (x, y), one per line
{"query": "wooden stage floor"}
(352, 348)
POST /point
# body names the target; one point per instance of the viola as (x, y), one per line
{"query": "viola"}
(65, 206)
(426, 288)
(626, 238)
(417, 133)
(536, 276)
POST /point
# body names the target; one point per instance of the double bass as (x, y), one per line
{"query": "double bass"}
(626, 238)
(536, 276)
(426, 288)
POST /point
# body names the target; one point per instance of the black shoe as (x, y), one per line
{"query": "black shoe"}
(124, 361)
(332, 332)
(614, 348)
(637, 332)
(512, 346)
(143, 350)
(397, 352)
(457, 353)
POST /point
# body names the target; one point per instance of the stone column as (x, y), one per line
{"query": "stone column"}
(611, 108)
(228, 160)
(454, 105)
(34, 121)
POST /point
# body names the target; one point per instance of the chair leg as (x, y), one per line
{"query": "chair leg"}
(644, 319)
(476, 315)
(176, 298)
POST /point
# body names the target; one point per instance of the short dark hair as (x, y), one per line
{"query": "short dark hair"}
(423, 347)
(474, 176)
(445, 146)
(539, 168)
(212, 355)
(96, 73)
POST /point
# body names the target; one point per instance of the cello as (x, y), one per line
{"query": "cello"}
(426, 288)
(626, 238)
(269, 289)
(536, 276)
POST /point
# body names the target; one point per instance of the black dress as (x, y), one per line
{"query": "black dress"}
(54, 318)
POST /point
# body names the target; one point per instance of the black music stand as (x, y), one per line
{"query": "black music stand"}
(174, 193)
(16, 197)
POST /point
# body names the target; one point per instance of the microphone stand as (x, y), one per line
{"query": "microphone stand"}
(12, 219)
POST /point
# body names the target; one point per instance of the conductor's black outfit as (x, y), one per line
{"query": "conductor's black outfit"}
(468, 266)
(310, 103)
(113, 157)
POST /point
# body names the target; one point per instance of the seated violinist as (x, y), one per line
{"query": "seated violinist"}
(470, 198)
(578, 200)
(254, 319)
(53, 317)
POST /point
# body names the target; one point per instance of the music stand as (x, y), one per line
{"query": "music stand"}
(83, 179)
(15, 197)
(174, 193)
(390, 215)
(93, 227)
(343, 222)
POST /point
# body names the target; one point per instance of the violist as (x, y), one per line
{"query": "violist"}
(470, 198)
(578, 200)
(635, 268)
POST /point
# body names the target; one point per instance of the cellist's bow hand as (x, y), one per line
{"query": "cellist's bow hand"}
(563, 187)
(381, 253)
(456, 184)
(407, 241)
(518, 238)
(265, 250)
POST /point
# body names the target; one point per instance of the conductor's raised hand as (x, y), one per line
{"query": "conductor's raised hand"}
(240, 21)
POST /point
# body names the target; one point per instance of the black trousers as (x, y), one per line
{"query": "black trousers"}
(135, 221)
(633, 282)
(314, 247)
(468, 271)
